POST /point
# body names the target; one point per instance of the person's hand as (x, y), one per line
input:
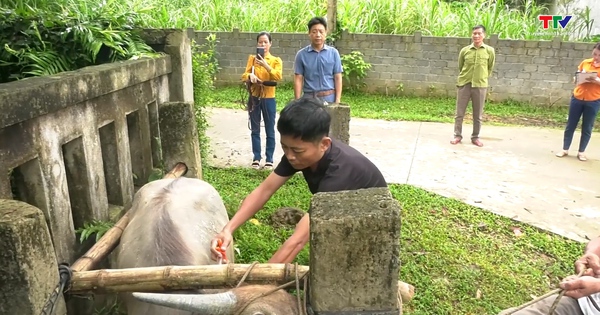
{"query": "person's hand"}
(261, 62)
(580, 287)
(225, 238)
(590, 264)
(253, 78)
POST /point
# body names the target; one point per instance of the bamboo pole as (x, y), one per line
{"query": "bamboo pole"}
(103, 247)
(160, 279)
(156, 279)
(107, 243)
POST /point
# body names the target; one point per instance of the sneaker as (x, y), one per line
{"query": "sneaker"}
(268, 166)
(256, 164)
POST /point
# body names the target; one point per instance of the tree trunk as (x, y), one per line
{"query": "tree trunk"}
(331, 16)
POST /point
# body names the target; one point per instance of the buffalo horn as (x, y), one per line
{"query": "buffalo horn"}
(201, 304)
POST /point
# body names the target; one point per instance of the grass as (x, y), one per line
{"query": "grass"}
(461, 259)
(376, 106)
(432, 17)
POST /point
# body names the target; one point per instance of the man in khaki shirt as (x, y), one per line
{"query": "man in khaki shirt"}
(475, 63)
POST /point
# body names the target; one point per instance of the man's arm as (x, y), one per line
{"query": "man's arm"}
(337, 76)
(298, 82)
(593, 247)
(337, 80)
(293, 245)
(491, 61)
(298, 75)
(255, 201)
(461, 60)
(590, 259)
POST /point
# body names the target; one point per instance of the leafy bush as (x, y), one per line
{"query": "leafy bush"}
(35, 42)
(204, 68)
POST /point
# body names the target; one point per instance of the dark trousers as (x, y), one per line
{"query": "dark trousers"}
(577, 109)
(267, 107)
(465, 94)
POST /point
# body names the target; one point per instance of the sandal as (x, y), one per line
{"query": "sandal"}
(477, 142)
(268, 166)
(456, 140)
(256, 165)
(581, 157)
(562, 153)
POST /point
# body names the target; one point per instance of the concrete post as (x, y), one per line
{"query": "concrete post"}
(179, 137)
(340, 121)
(29, 270)
(354, 253)
(181, 85)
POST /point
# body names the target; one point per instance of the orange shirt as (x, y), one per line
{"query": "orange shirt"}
(275, 75)
(588, 91)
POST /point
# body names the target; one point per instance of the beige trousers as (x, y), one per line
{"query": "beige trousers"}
(465, 94)
(566, 306)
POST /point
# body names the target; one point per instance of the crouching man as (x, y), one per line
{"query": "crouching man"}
(327, 165)
(582, 295)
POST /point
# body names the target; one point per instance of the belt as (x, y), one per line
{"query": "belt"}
(321, 93)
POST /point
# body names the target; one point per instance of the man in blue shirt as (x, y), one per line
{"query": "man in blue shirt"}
(318, 67)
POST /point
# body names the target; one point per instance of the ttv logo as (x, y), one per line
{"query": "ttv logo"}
(556, 20)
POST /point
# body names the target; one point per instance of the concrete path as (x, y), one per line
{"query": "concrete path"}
(514, 174)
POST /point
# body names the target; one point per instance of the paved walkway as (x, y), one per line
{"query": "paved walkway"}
(515, 174)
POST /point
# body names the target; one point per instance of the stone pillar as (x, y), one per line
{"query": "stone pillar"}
(354, 253)
(181, 85)
(179, 137)
(340, 121)
(29, 270)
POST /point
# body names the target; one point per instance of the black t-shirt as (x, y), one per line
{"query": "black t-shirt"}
(341, 168)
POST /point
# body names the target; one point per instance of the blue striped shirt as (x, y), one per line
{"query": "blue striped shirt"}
(318, 68)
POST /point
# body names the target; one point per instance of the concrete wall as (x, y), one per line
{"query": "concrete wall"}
(77, 144)
(533, 71)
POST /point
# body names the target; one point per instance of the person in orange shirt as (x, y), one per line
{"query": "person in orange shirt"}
(585, 102)
(260, 69)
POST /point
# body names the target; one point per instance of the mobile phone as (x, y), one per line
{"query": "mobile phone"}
(260, 51)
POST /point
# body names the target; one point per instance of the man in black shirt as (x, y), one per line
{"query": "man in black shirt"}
(327, 165)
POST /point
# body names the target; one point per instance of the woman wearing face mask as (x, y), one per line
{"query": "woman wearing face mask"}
(260, 69)
(585, 102)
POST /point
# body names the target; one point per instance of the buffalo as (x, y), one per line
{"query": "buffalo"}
(172, 222)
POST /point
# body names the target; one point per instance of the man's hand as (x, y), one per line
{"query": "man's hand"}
(580, 287)
(225, 237)
(590, 263)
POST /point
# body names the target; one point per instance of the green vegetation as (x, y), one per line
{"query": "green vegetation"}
(55, 37)
(433, 17)
(461, 259)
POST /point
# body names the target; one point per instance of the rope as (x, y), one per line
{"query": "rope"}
(301, 307)
(246, 100)
(64, 274)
